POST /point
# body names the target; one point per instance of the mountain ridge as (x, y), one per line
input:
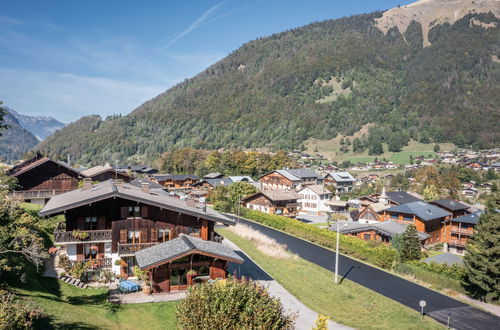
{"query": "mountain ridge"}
(15, 140)
(39, 126)
(265, 93)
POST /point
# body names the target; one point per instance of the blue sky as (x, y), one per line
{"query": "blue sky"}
(68, 59)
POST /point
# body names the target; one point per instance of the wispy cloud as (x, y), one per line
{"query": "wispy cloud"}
(206, 15)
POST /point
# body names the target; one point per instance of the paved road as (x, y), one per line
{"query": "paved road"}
(305, 316)
(463, 316)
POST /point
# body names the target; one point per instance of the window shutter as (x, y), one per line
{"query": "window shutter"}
(123, 236)
(123, 268)
(144, 211)
(143, 236)
(154, 235)
(101, 223)
(79, 223)
(100, 250)
(79, 252)
(124, 212)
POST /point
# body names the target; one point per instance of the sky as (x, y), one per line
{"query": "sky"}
(69, 59)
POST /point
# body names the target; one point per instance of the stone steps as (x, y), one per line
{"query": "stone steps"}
(73, 281)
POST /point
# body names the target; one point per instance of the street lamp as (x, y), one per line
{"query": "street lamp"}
(337, 252)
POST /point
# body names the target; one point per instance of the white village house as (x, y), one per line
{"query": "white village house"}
(313, 198)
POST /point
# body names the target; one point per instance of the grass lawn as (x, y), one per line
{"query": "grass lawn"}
(348, 303)
(68, 307)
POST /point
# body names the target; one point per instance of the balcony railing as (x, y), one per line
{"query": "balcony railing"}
(82, 236)
(462, 231)
(30, 194)
(457, 242)
(96, 264)
(131, 248)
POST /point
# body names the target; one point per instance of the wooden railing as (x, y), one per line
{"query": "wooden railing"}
(92, 236)
(98, 263)
(30, 194)
(457, 242)
(131, 248)
(462, 231)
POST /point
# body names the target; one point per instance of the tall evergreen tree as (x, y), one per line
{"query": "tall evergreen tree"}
(410, 245)
(482, 260)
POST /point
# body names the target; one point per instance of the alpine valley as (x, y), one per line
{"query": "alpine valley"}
(429, 71)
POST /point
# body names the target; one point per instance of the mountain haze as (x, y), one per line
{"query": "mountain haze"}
(317, 81)
(39, 126)
(15, 140)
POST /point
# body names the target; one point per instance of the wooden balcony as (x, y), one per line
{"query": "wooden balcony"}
(81, 236)
(129, 249)
(33, 194)
(462, 231)
(456, 242)
(96, 264)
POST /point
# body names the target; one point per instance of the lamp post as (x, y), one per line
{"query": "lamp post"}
(337, 253)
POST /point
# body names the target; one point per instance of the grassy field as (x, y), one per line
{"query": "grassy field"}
(68, 307)
(331, 150)
(348, 303)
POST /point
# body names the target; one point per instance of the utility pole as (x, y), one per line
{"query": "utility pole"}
(337, 254)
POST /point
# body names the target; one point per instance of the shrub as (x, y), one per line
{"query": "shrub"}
(106, 276)
(77, 269)
(382, 255)
(231, 304)
(64, 262)
(16, 313)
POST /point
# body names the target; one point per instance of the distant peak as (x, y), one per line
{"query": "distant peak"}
(430, 13)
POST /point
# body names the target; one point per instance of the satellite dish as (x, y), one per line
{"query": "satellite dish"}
(422, 303)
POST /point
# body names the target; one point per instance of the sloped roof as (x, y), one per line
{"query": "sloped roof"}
(401, 197)
(152, 185)
(303, 173)
(423, 210)
(450, 204)
(317, 189)
(214, 182)
(96, 170)
(33, 163)
(215, 175)
(388, 228)
(275, 195)
(181, 246)
(378, 207)
(243, 178)
(110, 189)
(342, 176)
(180, 177)
(472, 218)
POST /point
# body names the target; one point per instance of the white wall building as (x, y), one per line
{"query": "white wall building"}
(312, 198)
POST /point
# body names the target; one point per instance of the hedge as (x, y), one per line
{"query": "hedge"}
(372, 252)
(431, 275)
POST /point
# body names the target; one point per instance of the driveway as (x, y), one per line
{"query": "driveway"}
(439, 306)
(306, 316)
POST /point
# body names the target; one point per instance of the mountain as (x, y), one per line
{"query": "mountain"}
(427, 71)
(40, 126)
(15, 140)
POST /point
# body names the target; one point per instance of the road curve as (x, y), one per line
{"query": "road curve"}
(439, 306)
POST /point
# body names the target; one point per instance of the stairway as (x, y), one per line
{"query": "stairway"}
(73, 281)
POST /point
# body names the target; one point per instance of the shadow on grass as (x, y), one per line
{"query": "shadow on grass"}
(48, 322)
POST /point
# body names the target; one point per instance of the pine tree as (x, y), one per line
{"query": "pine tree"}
(482, 260)
(410, 245)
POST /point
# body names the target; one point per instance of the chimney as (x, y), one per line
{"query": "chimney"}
(87, 184)
(145, 187)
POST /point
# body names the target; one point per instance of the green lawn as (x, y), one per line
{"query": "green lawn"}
(68, 307)
(348, 303)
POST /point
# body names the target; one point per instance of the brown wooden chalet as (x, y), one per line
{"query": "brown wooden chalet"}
(40, 178)
(175, 181)
(457, 231)
(273, 202)
(289, 179)
(103, 173)
(456, 208)
(109, 222)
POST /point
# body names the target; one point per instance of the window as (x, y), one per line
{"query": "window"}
(133, 236)
(163, 234)
(134, 211)
(366, 237)
(90, 251)
(90, 223)
(194, 231)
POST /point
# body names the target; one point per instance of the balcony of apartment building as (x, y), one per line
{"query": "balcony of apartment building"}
(62, 236)
(461, 231)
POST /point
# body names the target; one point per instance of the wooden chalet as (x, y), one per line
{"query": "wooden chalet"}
(289, 179)
(273, 202)
(456, 208)
(457, 231)
(175, 181)
(40, 178)
(109, 222)
(382, 232)
(426, 217)
(342, 181)
(103, 173)
(210, 184)
(372, 213)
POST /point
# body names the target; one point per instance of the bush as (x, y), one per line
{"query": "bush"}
(64, 262)
(222, 206)
(381, 255)
(439, 276)
(231, 304)
(16, 313)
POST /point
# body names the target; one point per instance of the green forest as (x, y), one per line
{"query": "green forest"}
(315, 81)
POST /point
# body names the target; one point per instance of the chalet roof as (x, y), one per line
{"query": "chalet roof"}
(378, 207)
(388, 228)
(335, 202)
(422, 210)
(472, 218)
(303, 173)
(96, 170)
(450, 204)
(152, 185)
(110, 189)
(401, 197)
(318, 189)
(342, 176)
(215, 175)
(135, 168)
(241, 179)
(182, 246)
(176, 177)
(214, 182)
(32, 163)
(275, 195)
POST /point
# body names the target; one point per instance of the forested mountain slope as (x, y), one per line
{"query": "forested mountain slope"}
(317, 81)
(15, 140)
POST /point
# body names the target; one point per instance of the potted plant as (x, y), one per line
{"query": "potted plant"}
(80, 235)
